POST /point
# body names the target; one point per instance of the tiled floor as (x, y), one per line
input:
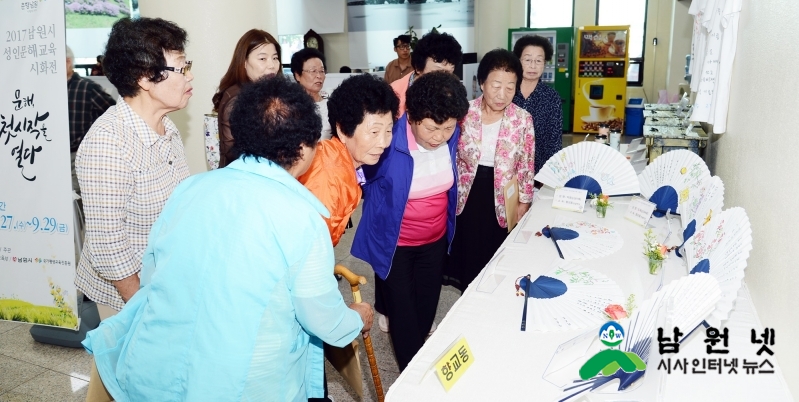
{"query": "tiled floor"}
(30, 371)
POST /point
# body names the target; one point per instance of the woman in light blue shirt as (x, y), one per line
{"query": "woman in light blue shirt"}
(236, 296)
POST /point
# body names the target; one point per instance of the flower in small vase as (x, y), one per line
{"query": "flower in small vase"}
(615, 312)
(601, 200)
(654, 250)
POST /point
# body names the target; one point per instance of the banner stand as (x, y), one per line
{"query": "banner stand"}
(88, 316)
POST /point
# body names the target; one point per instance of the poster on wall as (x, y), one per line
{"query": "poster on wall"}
(373, 25)
(89, 22)
(37, 250)
(603, 44)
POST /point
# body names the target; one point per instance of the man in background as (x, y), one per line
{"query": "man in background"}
(401, 66)
(86, 102)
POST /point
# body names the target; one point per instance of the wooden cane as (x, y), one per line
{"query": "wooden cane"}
(355, 281)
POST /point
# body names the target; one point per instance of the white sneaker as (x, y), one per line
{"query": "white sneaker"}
(382, 322)
(433, 328)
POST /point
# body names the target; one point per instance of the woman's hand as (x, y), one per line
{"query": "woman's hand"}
(521, 210)
(366, 313)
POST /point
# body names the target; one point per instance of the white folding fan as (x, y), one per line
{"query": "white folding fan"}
(701, 206)
(671, 178)
(567, 297)
(720, 248)
(685, 303)
(581, 240)
(592, 166)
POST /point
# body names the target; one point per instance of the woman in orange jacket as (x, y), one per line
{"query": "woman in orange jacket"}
(362, 112)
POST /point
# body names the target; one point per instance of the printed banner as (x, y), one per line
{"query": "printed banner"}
(37, 249)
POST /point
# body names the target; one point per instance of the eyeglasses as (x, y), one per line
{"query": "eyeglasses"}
(403, 47)
(182, 70)
(315, 72)
(537, 62)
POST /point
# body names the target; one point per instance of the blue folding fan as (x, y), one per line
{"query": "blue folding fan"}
(700, 207)
(582, 240)
(671, 178)
(567, 297)
(591, 166)
(721, 248)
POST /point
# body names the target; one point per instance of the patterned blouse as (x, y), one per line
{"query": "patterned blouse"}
(514, 156)
(544, 105)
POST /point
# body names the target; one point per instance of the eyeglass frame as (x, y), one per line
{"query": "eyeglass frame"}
(403, 46)
(182, 70)
(534, 62)
(323, 72)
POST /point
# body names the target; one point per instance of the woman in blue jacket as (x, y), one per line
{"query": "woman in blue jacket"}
(409, 209)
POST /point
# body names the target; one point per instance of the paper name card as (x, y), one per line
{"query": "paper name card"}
(639, 211)
(453, 363)
(570, 199)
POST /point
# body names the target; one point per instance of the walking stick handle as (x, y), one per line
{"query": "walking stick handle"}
(354, 280)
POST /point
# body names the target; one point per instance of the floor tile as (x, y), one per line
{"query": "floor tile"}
(49, 386)
(6, 326)
(79, 366)
(16, 372)
(19, 344)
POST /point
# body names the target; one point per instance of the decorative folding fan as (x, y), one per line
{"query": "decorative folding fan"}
(671, 178)
(701, 206)
(592, 166)
(568, 297)
(581, 240)
(689, 300)
(720, 247)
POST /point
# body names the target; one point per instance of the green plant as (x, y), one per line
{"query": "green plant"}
(652, 249)
(415, 39)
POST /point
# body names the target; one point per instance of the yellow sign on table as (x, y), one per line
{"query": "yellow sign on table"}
(453, 363)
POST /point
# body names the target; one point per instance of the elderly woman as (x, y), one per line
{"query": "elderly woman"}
(408, 217)
(434, 52)
(363, 110)
(132, 157)
(308, 67)
(539, 99)
(239, 315)
(257, 54)
(495, 148)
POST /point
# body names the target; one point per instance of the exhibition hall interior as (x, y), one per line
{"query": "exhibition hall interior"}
(530, 200)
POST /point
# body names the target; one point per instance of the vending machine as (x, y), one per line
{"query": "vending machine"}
(558, 71)
(600, 90)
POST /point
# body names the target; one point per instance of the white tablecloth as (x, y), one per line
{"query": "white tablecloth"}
(509, 364)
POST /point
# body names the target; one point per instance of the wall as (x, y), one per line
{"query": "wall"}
(492, 19)
(214, 28)
(337, 51)
(756, 158)
(680, 44)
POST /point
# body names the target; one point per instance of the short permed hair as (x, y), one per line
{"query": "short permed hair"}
(533, 40)
(136, 50)
(438, 96)
(402, 39)
(499, 60)
(357, 96)
(301, 56)
(437, 46)
(272, 118)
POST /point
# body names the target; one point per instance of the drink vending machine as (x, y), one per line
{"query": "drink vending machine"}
(600, 90)
(557, 72)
